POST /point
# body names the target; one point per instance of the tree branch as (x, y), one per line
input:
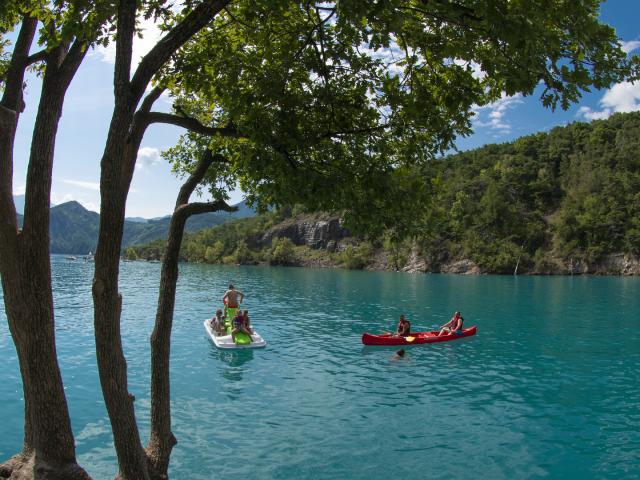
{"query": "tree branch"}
(353, 132)
(37, 57)
(196, 208)
(11, 105)
(189, 123)
(151, 98)
(172, 41)
(124, 47)
(196, 177)
(73, 59)
(140, 120)
(238, 21)
(12, 97)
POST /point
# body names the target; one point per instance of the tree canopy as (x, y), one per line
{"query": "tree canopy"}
(323, 102)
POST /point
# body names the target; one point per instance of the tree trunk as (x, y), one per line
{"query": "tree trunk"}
(112, 365)
(162, 440)
(117, 166)
(49, 447)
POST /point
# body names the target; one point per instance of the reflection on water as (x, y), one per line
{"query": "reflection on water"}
(236, 358)
(540, 391)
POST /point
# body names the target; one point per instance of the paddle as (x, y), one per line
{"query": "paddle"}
(410, 339)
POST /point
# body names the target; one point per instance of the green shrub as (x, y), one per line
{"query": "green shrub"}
(282, 251)
(242, 254)
(214, 253)
(357, 257)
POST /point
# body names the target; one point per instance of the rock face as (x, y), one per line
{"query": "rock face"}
(314, 233)
(466, 267)
(612, 264)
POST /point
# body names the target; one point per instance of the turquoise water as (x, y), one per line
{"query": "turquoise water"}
(549, 387)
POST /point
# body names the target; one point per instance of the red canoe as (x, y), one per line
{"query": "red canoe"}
(416, 338)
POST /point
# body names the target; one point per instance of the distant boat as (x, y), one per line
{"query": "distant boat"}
(71, 257)
(88, 258)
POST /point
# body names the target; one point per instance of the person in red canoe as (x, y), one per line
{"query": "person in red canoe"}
(404, 327)
(230, 298)
(453, 326)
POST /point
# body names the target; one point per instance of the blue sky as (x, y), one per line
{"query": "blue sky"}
(89, 103)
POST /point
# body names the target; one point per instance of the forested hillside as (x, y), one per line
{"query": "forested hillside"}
(572, 193)
(549, 203)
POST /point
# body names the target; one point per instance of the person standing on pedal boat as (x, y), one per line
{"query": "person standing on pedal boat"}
(230, 298)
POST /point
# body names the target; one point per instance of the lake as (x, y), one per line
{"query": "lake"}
(549, 386)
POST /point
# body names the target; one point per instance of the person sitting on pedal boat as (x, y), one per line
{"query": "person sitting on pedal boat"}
(217, 323)
(238, 326)
(247, 321)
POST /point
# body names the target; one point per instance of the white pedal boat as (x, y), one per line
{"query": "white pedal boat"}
(225, 341)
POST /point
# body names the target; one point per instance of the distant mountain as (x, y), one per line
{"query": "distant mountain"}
(137, 232)
(18, 200)
(74, 229)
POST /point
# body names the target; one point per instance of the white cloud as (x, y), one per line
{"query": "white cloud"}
(493, 115)
(622, 97)
(630, 46)
(19, 190)
(588, 114)
(95, 186)
(147, 157)
(141, 46)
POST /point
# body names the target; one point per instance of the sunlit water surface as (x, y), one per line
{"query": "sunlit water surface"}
(549, 387)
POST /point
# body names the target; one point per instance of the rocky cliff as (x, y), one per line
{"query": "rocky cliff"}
(321, 232)
(317, 232)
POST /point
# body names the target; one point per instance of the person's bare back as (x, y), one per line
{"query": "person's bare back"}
(230, 297)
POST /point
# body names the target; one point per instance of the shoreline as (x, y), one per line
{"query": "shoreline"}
(475, 271)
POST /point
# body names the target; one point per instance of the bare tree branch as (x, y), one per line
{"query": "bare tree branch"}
(11, 105)
(72, 60)
(196, 177)
(37, 57)
(190, 124)
(151, 98)
(196, 208)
